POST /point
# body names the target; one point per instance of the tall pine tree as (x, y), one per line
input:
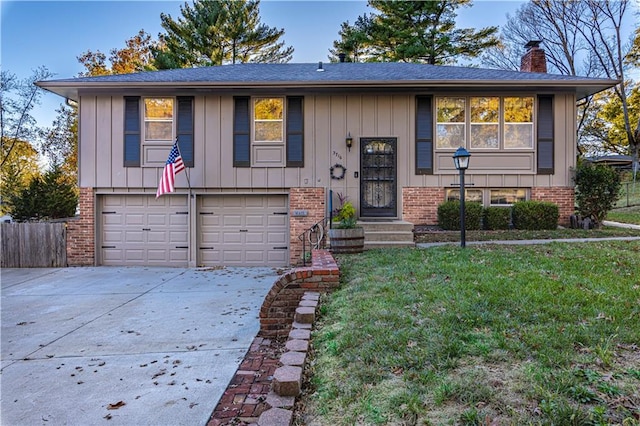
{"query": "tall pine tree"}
(219, 32)
(412, 31)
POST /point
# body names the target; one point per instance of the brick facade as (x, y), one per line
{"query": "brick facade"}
(313, 201)
(564, 197)
(420, 204)
(81, 232)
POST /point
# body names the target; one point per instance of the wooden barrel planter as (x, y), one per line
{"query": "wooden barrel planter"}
(349, 240)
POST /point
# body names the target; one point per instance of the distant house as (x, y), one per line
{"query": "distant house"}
(265, 143)
(621, 162)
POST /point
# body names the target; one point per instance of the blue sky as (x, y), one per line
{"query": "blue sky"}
(55, 33)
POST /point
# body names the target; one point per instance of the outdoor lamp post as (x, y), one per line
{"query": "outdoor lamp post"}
(461, 161)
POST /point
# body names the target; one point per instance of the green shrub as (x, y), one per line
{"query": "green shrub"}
(535, 215)
(597, 190)
(449, 216)
(497, 218)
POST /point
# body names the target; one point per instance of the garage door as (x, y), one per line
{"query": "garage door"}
(142, 230)
(243, 230)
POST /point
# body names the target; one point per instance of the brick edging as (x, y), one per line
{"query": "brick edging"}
(249, 397)
(278, 308)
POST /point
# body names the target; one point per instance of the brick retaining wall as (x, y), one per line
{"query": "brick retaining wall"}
(278, 308)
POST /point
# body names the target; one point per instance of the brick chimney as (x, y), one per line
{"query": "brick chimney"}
(533, 59)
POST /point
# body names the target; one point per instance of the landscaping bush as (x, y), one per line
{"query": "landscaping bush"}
(449, 216)
(597, 190)
(535, 215)
(497, 218)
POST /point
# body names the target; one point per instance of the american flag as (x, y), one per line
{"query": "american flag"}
(172, 167)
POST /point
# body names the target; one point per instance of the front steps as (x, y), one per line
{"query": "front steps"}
(387, 233)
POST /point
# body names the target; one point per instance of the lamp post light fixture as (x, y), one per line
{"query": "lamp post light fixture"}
(461, 161)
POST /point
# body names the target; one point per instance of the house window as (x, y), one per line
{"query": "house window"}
(485, 128)
(506, 197)
(450, 127)
(518, 122)
(493, 122)
(268, 120)
(470, 195)
(158, 119)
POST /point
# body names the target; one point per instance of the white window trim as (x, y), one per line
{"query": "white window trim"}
(144, 122)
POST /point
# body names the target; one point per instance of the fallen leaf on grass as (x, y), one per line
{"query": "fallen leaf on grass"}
(117, 405)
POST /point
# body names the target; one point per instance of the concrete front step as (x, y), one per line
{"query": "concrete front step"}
(387, 244)
(386, 225)
(386, 234)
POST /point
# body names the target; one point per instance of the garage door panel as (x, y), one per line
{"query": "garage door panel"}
(242, 230)
(143, 230)
(232, 238)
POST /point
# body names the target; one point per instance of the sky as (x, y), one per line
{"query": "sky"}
(54, 33)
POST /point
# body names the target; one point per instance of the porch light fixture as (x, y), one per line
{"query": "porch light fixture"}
(349, 141)
(461, 161)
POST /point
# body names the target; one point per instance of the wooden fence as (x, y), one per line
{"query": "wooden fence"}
(33, 245)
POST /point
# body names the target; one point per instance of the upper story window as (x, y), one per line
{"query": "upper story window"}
(492, 122)
(485, 127)
(450, 123)
(268, 123)
(518, 122)
(158, 119)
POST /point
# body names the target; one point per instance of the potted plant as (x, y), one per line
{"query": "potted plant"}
(345, 236)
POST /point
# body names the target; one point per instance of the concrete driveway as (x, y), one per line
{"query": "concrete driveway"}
(124, 346)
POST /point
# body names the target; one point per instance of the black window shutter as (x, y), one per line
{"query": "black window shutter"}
(185, 129)
(132, 126)
(295, 131)
(545, 157)
(241, 132)
(424, 135)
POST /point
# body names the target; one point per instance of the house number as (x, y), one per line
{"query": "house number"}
(337, 155)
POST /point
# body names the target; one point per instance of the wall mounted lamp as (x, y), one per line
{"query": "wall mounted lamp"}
(349, 141)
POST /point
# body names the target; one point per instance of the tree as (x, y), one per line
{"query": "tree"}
(580, 38)
(413, 31)
(134, 57)
(51, 196)
(219, 32)
(60, 142)
(17, 100)
(18, 171)
(597, 190)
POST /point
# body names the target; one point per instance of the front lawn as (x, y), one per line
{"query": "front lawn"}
(500, 335)
(625, 215)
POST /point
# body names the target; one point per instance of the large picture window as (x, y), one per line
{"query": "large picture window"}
(450, 127)
(158, 119)
(268, 120)
(492, 122)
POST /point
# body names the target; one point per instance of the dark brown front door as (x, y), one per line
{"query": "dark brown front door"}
(378, 174)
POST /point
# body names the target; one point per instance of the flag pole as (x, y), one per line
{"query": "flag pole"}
(187, 171)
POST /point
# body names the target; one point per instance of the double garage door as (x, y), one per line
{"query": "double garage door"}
(231, 230)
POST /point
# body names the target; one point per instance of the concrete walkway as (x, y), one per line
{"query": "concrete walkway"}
(529, 242)
(124, 346)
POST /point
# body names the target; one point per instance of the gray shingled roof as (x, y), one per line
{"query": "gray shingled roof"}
(389, 74)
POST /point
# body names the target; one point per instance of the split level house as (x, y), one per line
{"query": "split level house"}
(266, 144)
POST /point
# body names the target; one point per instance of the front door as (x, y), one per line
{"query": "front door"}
(378, 174)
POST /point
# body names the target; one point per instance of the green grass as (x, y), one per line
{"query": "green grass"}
(625, 215)
(629, 194)
(511, 335)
